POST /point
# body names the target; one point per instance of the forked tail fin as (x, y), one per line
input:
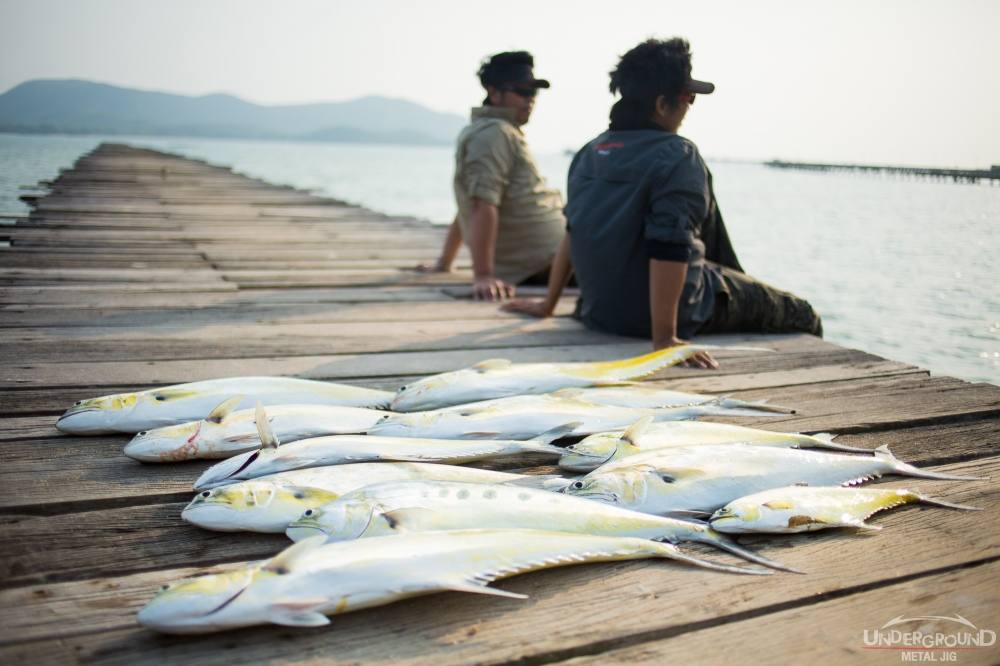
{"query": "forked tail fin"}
(905, 469)
(713, 538)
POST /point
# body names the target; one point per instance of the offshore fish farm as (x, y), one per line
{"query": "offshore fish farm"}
(138, 269)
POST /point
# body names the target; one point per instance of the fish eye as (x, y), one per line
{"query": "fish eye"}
(143, 433)
(78, 403)
(164, 588)
(578, 485)
(402, 388)
(667, 478)
(161, 398)
(298, 494)
(207, 493)
(308, 513)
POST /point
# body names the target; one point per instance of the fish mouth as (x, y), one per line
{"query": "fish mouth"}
(610, 498)
(300, 532)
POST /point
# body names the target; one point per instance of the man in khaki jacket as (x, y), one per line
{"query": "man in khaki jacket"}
(510, 218)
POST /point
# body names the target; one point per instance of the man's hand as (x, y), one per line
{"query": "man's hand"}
(489, 288)
(535, 307)
(701, 359)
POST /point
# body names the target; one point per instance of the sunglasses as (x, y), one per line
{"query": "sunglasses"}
(522, 91)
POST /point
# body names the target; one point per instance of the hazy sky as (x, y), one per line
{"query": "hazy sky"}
(907, 82)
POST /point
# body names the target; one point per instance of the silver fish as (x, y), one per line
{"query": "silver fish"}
(312, 579)
(805, 508)
(498, 378)
(701, 479)
(422, 506)
(224, 432)
(644, 436)
(270, 503)
(180, 403)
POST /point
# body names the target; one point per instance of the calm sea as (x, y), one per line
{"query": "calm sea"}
(906, 269)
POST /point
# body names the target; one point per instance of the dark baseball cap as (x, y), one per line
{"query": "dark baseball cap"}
(510, 68)
(700, 87)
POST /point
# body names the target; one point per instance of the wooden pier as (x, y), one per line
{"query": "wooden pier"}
(989, 176)
(140, 269)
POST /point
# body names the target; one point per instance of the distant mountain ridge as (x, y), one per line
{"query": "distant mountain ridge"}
(82, 107)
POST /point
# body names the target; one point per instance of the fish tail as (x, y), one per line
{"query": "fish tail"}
(720, 408)
(924, 499)
(827, 439)
(713, 538)
(668, 551)
(637, 366)
(899, 467)
(759, 405)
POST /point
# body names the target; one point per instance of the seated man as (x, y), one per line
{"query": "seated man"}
(509, 217)
(647, 242)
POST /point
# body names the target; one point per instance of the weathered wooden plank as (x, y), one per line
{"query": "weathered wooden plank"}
(260, 315)
(110, 296)
(833, 632)
(381, 364)
(54, 469)
(452, 628)
(218, 341)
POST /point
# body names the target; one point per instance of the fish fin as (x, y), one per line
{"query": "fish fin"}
(290, 618)
(400, 520)
(267, 438)
(924, 499)
(688, 513)
(224, 409)
(760, 405)
(492, 364)
(479, 588)
(827, 443)
(284, 560)
(721, 541)
(883, 453)
(632, 433)
(541, 446)
(560, 431)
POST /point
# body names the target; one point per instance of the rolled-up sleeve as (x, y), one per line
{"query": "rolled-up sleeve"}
(678, 200)
(487, 163)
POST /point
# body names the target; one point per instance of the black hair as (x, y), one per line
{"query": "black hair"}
(493, 70)
(653, 68)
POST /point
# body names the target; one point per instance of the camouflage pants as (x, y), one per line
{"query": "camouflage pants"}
(748, 305)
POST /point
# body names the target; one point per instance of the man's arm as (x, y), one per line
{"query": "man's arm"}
(559, 275)
(452, 244)
(666, 282)
(482, 240)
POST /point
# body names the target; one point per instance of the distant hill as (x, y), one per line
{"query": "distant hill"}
(78, 107)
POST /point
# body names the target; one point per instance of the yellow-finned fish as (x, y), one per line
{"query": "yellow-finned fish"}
(536, 417)
(599, 448)
(805, 509)
(312, 579)
(270, 503)
(180, 403)
(498, 378)
(652, 397)
(395, 507)
(339, 450)
(224, 432)
(702, 479)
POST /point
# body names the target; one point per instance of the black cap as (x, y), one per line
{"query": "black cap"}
(510, 67)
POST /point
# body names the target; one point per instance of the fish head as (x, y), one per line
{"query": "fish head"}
(240, 467)
(749, 515)
(168, 444)
(97, 415)
(260, 506)
(342, 520)
(403, 425)
(591, 452)
(195, 605)
(623, 487)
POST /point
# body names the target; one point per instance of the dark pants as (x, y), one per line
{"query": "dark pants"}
(749, 305)
(746, 304)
